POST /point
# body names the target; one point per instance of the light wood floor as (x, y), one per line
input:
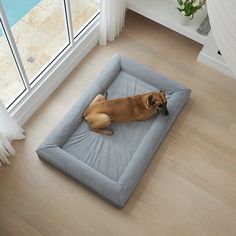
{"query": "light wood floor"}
(189, 187)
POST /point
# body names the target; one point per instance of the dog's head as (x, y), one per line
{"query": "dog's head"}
(158, 101)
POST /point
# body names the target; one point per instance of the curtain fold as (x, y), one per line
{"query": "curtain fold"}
(112, 19)
(9, 130)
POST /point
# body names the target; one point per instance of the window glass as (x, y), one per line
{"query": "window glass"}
(82, 12)
(11, 85)
(39, 30)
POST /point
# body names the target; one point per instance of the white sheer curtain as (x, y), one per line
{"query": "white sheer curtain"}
(9, 130)
(112, 18)
(222, 15)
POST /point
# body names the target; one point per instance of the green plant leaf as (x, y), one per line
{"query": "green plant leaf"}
(180, 2)
(179, 9)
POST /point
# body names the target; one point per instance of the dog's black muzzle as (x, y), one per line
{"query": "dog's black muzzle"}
(163, 111)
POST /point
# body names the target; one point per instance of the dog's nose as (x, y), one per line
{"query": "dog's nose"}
(166, 113)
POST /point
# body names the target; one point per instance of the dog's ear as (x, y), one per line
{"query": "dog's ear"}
(162, 93)
(150, 100)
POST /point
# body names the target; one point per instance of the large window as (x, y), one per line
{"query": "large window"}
(32, 34)
(40, 34)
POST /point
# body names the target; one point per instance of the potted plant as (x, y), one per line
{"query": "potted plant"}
(188, 8)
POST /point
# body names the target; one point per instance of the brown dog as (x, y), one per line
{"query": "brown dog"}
(101, 112)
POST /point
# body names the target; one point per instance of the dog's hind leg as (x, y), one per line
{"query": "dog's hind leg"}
(100, 123)
(98, 98)
(103, 131)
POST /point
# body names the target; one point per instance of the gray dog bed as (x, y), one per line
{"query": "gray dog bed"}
(111, 166)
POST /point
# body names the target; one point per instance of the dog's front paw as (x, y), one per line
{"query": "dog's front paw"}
(108, 132)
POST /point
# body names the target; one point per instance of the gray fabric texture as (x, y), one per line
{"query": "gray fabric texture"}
(111, 166)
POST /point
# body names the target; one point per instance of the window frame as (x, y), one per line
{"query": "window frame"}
(73, 41)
